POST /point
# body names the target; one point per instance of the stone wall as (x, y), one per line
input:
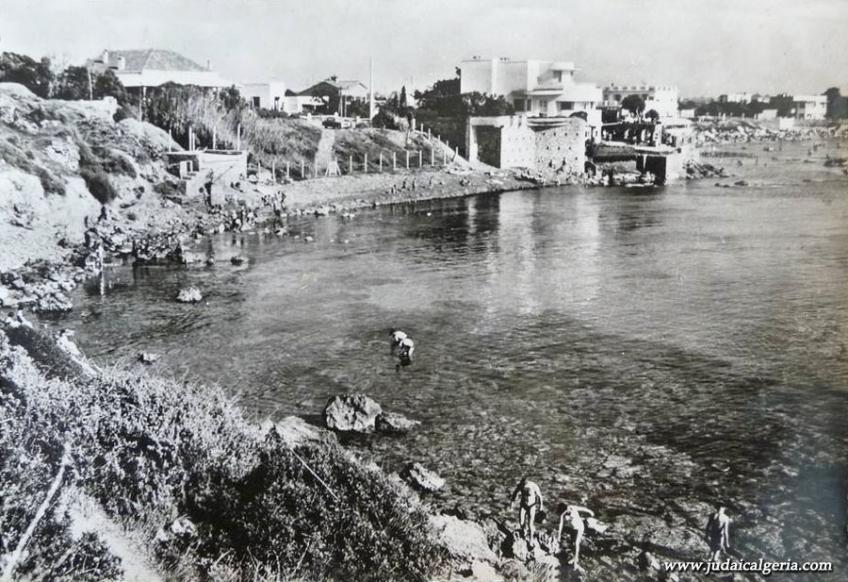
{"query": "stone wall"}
(562, 149)
(548, 145)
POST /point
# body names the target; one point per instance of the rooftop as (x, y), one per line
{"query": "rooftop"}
(136, 61)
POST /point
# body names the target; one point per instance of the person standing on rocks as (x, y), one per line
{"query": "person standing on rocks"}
(575, 520)
(717, 533)
(530, 501)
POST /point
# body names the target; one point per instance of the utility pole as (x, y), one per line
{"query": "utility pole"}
(90, 90)
(371, 91)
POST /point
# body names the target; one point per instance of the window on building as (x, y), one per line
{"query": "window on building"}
(256, 102)
(566, 105)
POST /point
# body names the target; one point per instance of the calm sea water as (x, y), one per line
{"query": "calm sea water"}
(637, 349)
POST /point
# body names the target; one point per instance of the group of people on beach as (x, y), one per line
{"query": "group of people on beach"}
(531, 509)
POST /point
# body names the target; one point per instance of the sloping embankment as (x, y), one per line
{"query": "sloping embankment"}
(60, 160)
(187, 486)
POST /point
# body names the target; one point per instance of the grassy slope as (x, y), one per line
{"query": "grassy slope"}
(149, 450)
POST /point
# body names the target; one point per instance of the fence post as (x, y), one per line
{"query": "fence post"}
(302, 170)
(444, 156)
(394, 161)
(429, 134)
(238, 137)
(407, 159)
(274, 170)
(288, 170)
(381, 162)
(350, 164)
(420, 158)
(214, 138)
(365, 164)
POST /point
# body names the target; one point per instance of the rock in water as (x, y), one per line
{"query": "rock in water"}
(238, 260)
(351, 413)
(189, 295)
(393, 423)
(422, 478)
(147, 358)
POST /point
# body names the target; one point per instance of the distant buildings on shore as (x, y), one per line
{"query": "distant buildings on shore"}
(809, 106)
(663, 99)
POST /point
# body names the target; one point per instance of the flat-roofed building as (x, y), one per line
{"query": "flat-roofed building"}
(533, 87)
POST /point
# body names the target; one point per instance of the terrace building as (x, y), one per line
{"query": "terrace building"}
(534, 87)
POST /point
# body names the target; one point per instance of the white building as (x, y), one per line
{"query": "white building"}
(809, 106)
(270, 95)
(537, 88)
(154, 67)
(660, 98)
(735, 98)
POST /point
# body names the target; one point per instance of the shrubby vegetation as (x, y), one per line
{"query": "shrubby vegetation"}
(207, 495)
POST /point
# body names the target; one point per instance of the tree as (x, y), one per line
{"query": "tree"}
(634, 104)
(837, 105)
(73, 84)
(652, 115)
(36, 76)
(783, 103)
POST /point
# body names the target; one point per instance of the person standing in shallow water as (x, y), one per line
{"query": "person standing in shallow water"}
(530, 501)
(717, 533)
(405, 350)
(571, 513)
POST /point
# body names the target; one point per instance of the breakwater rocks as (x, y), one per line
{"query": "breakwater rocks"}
(733, 130)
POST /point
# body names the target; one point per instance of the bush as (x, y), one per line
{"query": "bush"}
(99, 185)
(148, 450)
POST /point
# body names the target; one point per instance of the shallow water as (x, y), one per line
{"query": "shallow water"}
(696, 334)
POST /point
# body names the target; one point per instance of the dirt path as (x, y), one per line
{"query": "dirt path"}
(87, 516)
(324, 153)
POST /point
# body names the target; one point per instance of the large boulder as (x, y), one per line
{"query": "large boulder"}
(351, 413)
(422, 478)
(464, 540)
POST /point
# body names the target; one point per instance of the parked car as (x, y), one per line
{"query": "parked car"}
(332, 123)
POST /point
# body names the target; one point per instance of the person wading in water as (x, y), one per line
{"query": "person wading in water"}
(402, 346)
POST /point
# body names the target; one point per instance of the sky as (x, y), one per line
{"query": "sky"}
(705, 47)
